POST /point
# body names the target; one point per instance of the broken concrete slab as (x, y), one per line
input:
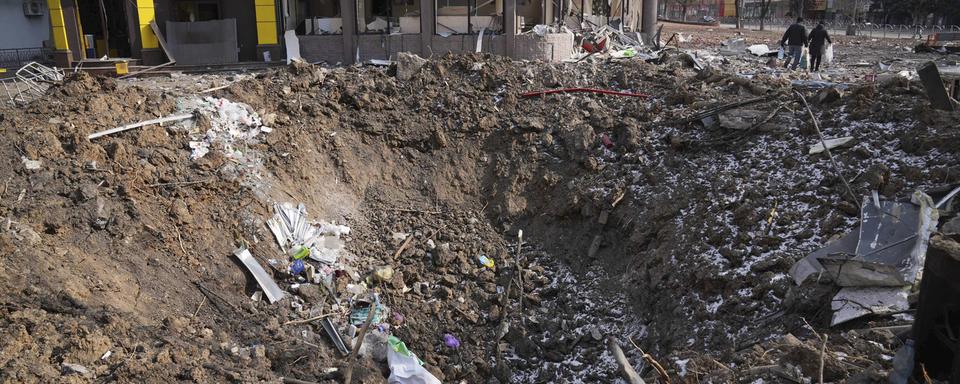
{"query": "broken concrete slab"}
(408, 64)
(933, 83)
(831, 144)
(75, 369)
(30, 165)
(740, 119)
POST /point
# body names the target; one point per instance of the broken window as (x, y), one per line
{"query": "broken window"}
(319, 17)
(592, 11)
(469, 16)
(530, 13)
(195, 10)
(388, 16)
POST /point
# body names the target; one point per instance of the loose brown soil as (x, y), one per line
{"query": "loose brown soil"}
(665, 238)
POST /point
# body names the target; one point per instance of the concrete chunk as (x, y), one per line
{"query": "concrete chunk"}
(408, 65)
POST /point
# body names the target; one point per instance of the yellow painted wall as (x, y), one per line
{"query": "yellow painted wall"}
(146, 14)
(59, 29)
(266, 21)
(729, 8)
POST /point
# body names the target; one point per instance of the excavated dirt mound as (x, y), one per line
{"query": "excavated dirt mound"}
(640, 226)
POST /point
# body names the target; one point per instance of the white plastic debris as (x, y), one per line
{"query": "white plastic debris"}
(232, 125)
(406, 369)
(30, 164)
(292, 230)
(759, 49)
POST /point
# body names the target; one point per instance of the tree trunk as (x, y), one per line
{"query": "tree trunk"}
(764, 6)
(684, 10)
(737, 7)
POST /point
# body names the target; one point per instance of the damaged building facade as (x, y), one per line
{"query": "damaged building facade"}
(206, 32)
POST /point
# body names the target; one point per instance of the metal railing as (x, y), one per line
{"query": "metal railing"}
(13, 58)
(30, 81)
(839, 27)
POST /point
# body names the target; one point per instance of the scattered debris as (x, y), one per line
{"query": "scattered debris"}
(588, 90)
(161, 120)
(75, 369)
(335, 338)
(270, 288)
(405, 367)
(651, 203)
(875, 262)
(231, 124)
(30, 82)
(295, 233)
(830, 144)
(408, 64)
(626, 368)
(30, 165)
(933, 83)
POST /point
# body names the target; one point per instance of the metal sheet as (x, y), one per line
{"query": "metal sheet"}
(854, 302)
(203, 42)
(887, 250)
(270, 288)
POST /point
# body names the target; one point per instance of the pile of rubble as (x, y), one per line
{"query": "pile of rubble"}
(471, 219)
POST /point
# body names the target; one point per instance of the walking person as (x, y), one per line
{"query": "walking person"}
(816, 39)
(796, 38)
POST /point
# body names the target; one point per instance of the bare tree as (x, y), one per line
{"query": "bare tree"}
(666, 7)
(764, 9)
(850, 9)
(738, 8)
(683, 7)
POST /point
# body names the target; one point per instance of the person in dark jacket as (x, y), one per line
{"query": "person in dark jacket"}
(796, 38)
(817, 38)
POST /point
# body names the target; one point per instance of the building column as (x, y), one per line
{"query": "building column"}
(58, 31)
(150, 51)
(428, 23)
(649, 24)
(348, 15)
(510, 26)
(267, 40)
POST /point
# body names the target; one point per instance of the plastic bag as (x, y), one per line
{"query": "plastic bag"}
(828, 54)
(405, 367)
(803, 58)
(780, 53)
